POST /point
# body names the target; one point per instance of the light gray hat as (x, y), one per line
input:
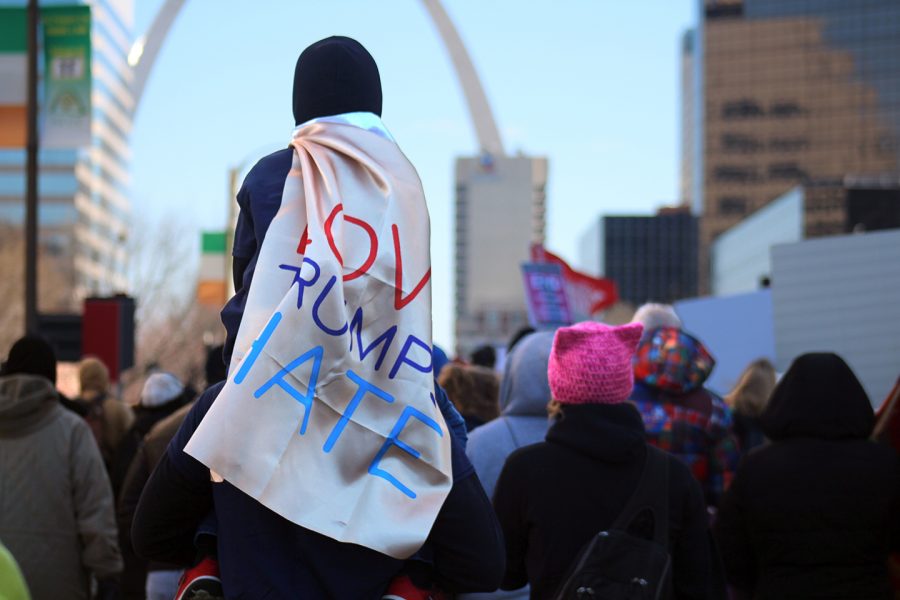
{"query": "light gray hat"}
(652, 316)
(159, 389)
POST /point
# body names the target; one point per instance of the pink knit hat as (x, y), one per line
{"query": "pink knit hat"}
(590, 363)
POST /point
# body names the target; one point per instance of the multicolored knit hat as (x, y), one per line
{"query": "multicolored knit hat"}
(672, 361)
(590, 363)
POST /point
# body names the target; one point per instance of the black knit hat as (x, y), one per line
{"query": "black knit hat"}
(819, 397)
(333, 76)
(31, 355)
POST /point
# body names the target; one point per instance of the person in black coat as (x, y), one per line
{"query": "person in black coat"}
(261, 553)
(815, 513)
(162, 395)
(554, 496)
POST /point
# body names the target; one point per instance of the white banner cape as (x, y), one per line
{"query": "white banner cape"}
(328, 416)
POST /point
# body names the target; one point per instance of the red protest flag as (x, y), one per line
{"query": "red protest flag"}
(587, 295)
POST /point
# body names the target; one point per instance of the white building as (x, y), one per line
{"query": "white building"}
(500, 212)
(841, 294)
(741, 256)
(591, 248)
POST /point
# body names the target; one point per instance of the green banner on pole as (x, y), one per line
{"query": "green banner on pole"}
(67, 76)
(13, 77)
(214, 242)
(13, 30)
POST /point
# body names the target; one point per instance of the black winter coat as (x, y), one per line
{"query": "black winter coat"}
(554, 496)
(815, 513)
(144, 420)
(134, 573)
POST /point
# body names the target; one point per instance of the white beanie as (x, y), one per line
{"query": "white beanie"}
(653, 316)
(159, 389)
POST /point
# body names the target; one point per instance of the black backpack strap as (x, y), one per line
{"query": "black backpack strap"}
(652, 493)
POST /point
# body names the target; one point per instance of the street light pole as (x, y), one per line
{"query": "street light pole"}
(31, 169)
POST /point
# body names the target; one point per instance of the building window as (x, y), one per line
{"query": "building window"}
(788, 144)
(784, 110)
(786, 171)
(743, 108)
(736, 142)
(823, 228)
(732, 205)
(735, 174)
(723, 9)
(887, 144)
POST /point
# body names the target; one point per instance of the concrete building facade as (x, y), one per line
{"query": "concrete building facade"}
(840, 294)
(500, 212)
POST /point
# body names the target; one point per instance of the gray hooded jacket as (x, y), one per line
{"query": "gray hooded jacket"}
(56, 504)
(524, 394)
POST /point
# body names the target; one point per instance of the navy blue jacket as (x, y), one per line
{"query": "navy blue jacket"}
(262, 555)
(259, 200)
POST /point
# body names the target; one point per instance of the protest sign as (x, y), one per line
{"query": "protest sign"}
(545, 293)
(328, 416)
(586, 295)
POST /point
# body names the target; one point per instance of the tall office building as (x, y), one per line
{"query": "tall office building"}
(651, 258)
(500, 205)
(789, 91)
(84, 209)
(688, 113)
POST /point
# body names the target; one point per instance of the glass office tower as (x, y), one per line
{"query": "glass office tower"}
(651, 258)
(789, 91)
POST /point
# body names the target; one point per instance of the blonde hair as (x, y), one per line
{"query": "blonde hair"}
(474, 390)
(754, 388)
(554, 410)
(93, 376)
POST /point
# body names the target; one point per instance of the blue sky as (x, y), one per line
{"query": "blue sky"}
(591, 84)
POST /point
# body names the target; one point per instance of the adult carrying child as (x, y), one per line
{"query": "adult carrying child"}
(325, 451)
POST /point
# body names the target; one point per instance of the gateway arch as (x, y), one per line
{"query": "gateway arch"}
(500, 200)
(146, 49)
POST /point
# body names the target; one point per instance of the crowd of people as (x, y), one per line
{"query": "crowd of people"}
(73, 469)
(775, 491)
(589, 461)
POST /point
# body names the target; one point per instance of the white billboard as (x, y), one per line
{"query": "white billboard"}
(841, 294)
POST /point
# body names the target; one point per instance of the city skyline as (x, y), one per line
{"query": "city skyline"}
(597, 171)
